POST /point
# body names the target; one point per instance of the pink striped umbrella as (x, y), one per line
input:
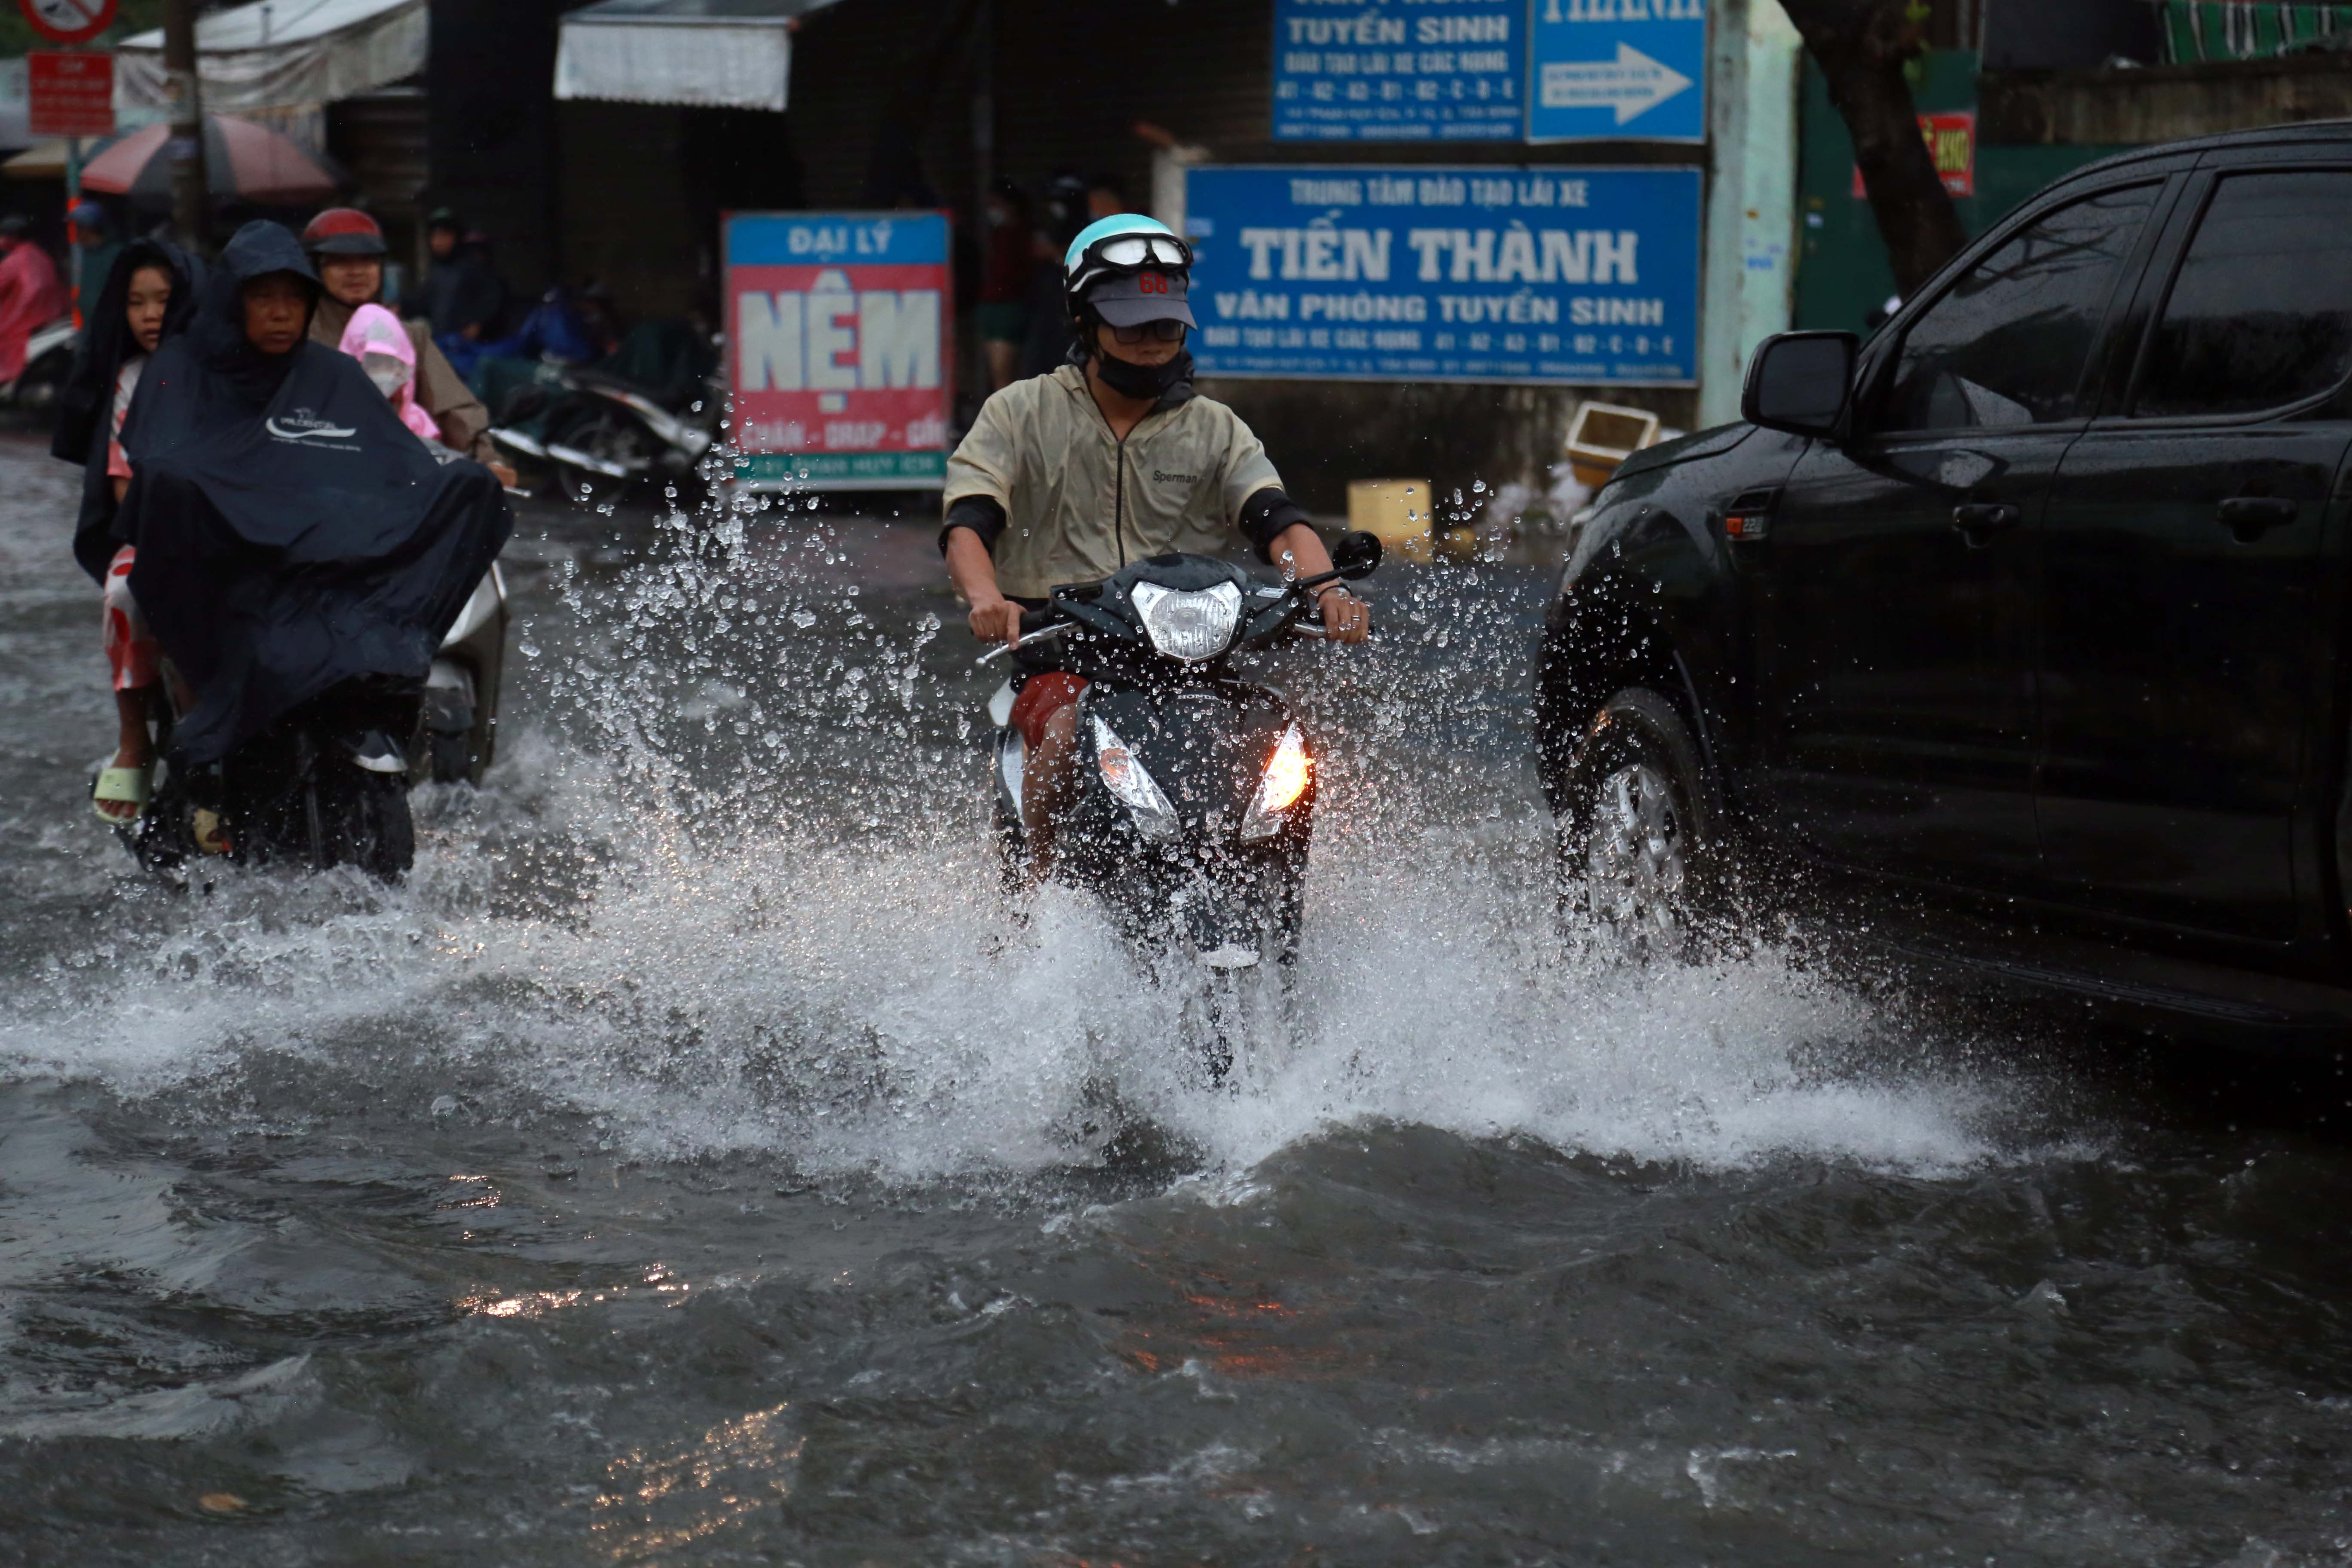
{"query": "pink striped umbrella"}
(242, 162)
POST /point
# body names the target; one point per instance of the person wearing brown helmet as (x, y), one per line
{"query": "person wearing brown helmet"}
(347, 248)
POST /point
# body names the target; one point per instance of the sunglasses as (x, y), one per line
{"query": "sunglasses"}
(1166, 331)
(1142, 250)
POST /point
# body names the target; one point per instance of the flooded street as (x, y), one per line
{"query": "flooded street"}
(693, 1163)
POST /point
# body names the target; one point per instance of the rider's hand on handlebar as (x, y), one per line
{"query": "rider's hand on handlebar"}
(997, 620)
(1346, 618)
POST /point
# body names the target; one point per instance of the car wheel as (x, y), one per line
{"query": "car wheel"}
(1637, 847)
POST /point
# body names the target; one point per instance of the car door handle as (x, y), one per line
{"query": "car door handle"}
(2249, 517)
(1974, 520)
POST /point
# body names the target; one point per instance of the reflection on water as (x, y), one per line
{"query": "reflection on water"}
(655, 1504)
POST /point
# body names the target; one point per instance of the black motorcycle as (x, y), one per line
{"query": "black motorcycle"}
(327, 785)
(1196, 788)
(601, 434)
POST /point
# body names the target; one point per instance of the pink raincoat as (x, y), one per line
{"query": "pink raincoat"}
(30, 297)
(376, 330)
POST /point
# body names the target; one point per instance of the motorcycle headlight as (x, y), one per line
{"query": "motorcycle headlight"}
(1287, 774)
(1123, 772)
(1193, 625)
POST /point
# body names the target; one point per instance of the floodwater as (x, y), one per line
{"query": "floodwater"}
(693, 1163)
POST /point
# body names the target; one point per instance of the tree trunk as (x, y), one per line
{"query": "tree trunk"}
(191, 202)
(1862, 46)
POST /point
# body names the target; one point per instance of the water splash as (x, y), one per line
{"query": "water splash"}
(728, 894)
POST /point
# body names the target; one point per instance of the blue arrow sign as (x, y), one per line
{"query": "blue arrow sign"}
(1617, 70)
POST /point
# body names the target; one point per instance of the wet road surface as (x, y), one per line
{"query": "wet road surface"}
(693, 1163)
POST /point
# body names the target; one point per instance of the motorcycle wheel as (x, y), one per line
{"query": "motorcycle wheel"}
(614, 437)
(452, 758)
(387, 847)
(1012, 848)
(367, 820)
(1238, 1022)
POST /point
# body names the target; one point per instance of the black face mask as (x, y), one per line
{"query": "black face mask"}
(1153, 382)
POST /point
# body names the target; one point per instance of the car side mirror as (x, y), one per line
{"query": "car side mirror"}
(1355, 555)
(1798, 381)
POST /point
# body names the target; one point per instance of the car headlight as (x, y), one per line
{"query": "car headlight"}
(1123, 772)
(1194, 624)
(1287, 774)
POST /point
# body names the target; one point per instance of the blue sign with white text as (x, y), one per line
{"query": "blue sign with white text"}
(1400, 70)
(1579, 276)
(1617, 70)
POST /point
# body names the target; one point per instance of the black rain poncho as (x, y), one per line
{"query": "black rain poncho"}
(86, 403)
(292, 532)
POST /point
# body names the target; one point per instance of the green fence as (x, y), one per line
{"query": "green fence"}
(2196, 30)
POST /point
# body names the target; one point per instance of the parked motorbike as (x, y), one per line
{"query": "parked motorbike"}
(328, 784)
(48, 356)
(1196, 788)
(602, 435)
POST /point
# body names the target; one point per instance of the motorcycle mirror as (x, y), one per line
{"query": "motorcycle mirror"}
(1356, 556)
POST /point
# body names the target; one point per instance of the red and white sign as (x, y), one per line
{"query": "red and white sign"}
(1951, 138)
(69, 94)
(841, 348)
(68, 21)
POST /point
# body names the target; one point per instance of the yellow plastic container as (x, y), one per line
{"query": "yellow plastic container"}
(1603, 435)
(1395, 512)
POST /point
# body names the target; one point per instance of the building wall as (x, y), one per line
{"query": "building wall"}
(628, 222)
(2162, 103)
(1069, 83)
(489, 71)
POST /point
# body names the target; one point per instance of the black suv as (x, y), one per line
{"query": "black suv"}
(2028, 614)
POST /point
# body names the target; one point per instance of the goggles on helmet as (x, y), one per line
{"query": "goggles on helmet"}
(1125, 250)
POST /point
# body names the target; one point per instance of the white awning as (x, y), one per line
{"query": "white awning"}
(281, 53)
(713, 53)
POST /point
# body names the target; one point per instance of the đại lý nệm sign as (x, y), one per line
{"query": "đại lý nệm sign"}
(840, 349)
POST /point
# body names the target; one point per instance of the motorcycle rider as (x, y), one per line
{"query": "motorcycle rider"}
(1067, 476)
(347, 248)
(30, 295)
(291, 533)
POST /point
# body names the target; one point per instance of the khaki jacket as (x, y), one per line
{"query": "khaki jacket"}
(464, 423)
(1076, 506)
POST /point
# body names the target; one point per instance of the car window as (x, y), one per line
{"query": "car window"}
(2006, 342)
(2261, 313)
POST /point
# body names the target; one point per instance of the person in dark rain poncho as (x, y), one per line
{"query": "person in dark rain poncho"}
(291, 532)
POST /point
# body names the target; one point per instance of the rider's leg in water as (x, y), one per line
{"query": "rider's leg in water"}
(1046, 780)
(135, 660)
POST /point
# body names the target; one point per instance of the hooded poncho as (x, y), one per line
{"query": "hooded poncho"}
(376, 330)
(292, 533)
(85, 403)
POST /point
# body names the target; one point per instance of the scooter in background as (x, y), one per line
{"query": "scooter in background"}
(602, 435)
(48, 357)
